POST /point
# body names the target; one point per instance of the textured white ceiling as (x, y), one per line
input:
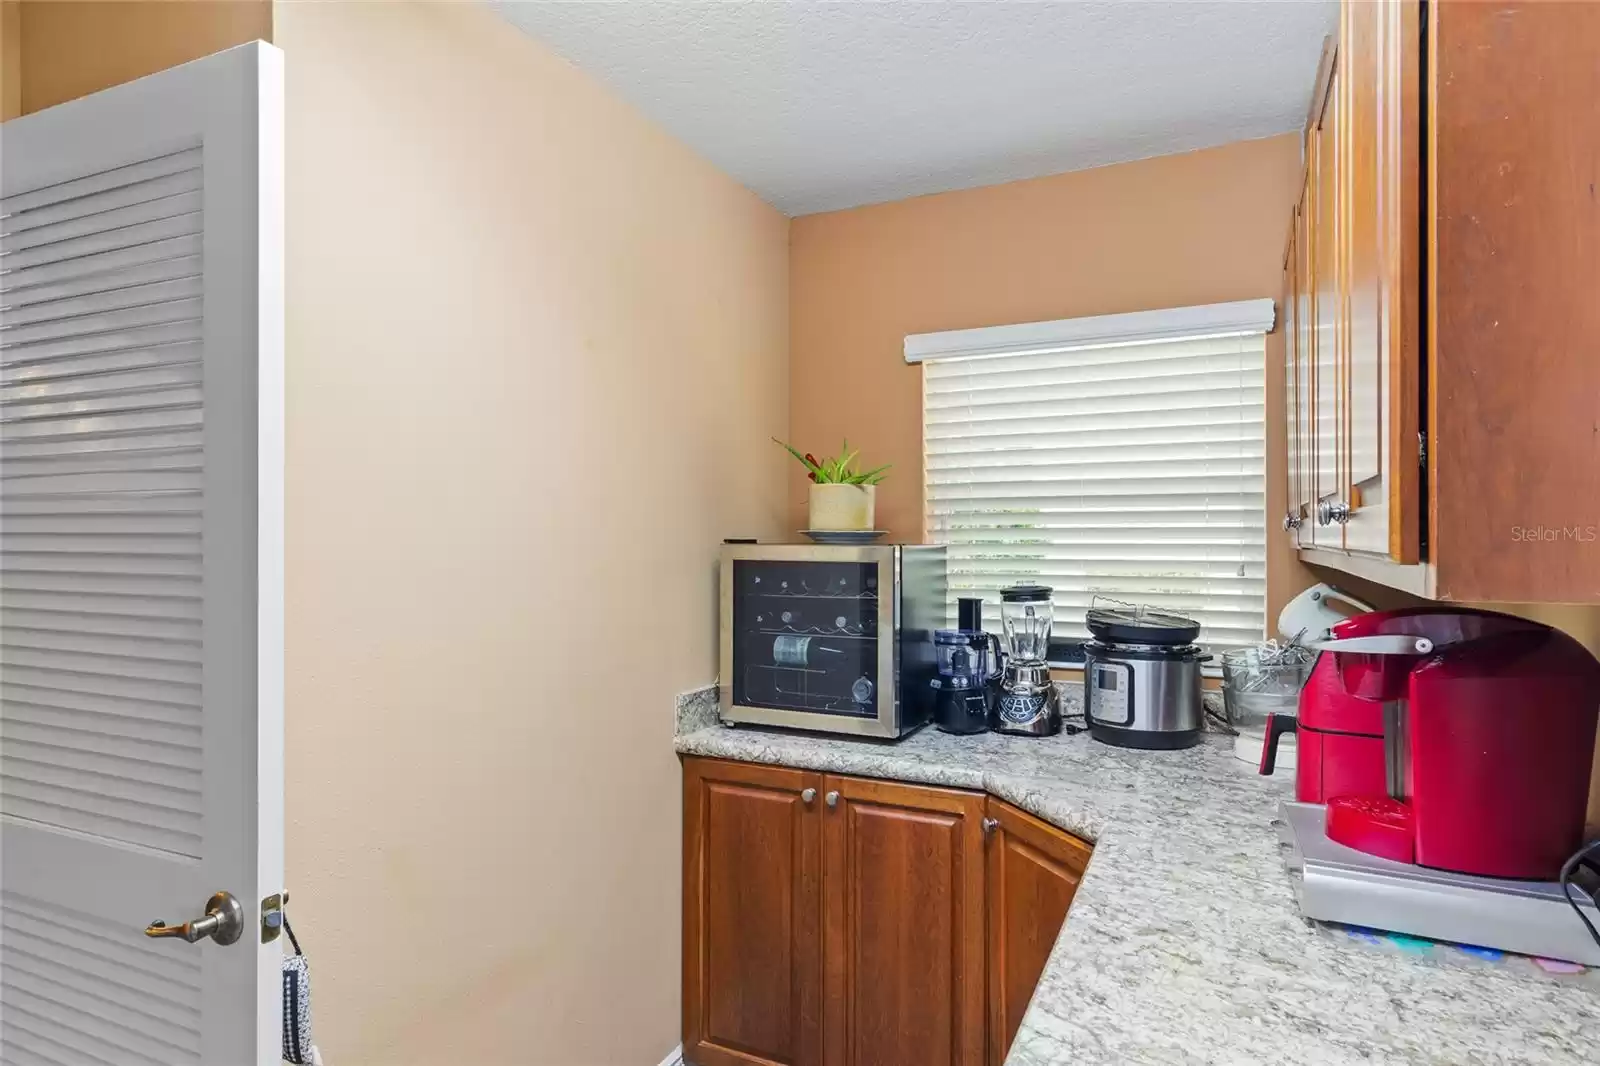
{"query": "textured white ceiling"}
(821, 105)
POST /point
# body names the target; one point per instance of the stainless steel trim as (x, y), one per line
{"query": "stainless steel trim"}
(1162, 695)
(822, 723)
(1338, 884)
(1393, 644)
(1395, 748)
(890, 719)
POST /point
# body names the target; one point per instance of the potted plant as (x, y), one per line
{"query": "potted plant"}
(842, 497)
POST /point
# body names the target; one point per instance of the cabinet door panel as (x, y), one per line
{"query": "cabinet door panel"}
(1378, 65)
(1514, 376)
(1329, 314)
(1359, 64)
(1291, 407)
(903, 926)
(1305, 354)
(1400, 177)
(751, 916)
(1034, 869)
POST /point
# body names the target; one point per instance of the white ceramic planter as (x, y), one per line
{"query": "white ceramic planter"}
(842, 506)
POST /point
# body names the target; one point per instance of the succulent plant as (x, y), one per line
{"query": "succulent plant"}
(835, 471)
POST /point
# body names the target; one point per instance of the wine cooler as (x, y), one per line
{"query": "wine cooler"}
(830, 638)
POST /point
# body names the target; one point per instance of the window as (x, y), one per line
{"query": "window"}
(1121, 457)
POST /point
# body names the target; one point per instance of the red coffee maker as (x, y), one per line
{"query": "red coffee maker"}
(1451, 738)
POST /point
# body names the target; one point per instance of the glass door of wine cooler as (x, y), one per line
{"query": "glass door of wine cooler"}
(806, 636)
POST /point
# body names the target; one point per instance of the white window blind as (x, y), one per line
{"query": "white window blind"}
(1130, 470)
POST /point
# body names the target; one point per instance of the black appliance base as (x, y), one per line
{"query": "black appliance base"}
(961, 729)
(1149, 739)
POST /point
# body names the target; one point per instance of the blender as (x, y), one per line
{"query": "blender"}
(968, 667)
(1028, 704)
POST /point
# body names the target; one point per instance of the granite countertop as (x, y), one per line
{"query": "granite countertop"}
(1184, 943)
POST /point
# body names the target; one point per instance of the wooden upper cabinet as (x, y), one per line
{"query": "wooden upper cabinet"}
(1328, 438)
(1513, 368)
(903, 937)
(751, 943)
(1305, 457)
(1450, 241)
(1365, 489)
(1034, 869)
(1291, 381)
(1380, 142)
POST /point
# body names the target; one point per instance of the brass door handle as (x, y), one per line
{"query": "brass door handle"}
(223, 923)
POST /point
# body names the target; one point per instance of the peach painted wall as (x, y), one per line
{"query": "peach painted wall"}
(536, 348)
(1201, 227)
(10, 59)
(75, 47)
(535, 352)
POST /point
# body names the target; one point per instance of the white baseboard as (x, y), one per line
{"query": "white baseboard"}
(674, 1057)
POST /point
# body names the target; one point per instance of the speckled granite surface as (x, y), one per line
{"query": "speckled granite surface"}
(696, 709)
(1184, 944)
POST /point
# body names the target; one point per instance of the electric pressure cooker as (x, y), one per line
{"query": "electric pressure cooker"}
(1141, 678)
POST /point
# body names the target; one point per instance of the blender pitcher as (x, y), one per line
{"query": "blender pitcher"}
(1028, 704)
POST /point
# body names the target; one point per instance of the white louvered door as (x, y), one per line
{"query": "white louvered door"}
(141, 557)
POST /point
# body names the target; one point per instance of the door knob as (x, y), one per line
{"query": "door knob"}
(1331, 511)
(223, 923)
(832, 799)
(807, 795)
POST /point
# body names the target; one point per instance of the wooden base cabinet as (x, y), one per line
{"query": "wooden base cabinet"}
(751, 915)
(1033, 873)
(839, 921)
(903, 907)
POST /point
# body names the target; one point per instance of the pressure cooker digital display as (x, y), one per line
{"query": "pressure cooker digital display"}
(1108, 702)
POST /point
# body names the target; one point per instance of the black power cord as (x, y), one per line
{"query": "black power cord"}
(1568, 868)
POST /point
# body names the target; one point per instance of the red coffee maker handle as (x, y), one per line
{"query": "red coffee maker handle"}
(1277, 726)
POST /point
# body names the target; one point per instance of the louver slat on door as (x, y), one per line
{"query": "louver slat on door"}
(102, 493)
(79, 991)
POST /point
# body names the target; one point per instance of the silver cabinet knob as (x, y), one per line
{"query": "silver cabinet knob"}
(1331, 511)
(223, 922)
(990, 825)
(807, 795)
(831, 799)
(1291, 521)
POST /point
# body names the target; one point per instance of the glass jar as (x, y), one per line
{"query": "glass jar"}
(1026, 615)
(971, 655)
